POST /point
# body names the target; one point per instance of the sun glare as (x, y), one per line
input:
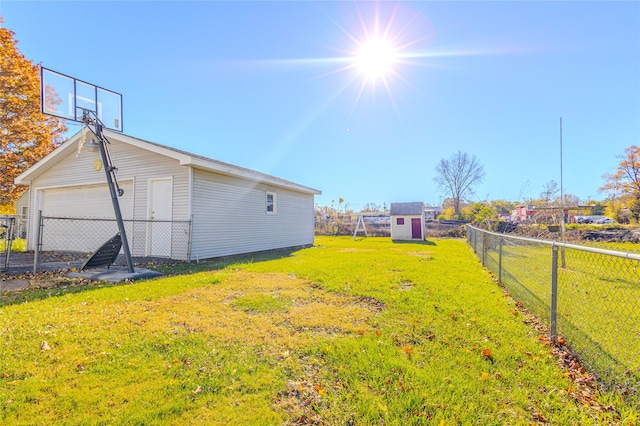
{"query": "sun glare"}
(375, 58)
(381, 40)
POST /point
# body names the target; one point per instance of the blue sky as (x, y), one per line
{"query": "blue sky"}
(272, 86)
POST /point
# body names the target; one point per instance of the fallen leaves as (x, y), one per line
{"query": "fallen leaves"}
(299, 399)
(539, 417)
(583, 388)
(320, 390)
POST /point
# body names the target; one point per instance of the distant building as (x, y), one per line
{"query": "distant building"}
(522, 214)
(407, 221)
(431, 213)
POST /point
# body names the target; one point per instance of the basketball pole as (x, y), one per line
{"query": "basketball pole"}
(109, 171)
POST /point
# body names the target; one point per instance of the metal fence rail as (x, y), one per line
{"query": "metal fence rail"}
(590, 296)
(67, 242)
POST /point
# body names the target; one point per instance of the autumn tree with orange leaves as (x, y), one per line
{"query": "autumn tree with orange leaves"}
(624, 184)
(26, 135)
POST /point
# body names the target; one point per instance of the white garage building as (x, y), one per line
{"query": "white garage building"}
(228, 209)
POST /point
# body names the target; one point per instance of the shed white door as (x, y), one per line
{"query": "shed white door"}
(160, 215)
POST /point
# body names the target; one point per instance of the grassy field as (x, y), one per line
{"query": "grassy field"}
(344, 332)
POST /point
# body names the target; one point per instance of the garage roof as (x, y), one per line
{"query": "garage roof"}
(185, 159)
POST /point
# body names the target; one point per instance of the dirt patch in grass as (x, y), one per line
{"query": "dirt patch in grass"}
(272, 310)
(352, 250)
(299, 306)
(406, 285)
(422, 254)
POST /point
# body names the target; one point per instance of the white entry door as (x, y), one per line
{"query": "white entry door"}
(160, 215)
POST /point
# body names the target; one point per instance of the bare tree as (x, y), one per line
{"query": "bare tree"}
(550, 192)
(457, 176)
(371, 207)
(524, 191)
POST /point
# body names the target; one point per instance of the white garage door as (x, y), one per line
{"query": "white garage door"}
(92, 201)
(86, 201)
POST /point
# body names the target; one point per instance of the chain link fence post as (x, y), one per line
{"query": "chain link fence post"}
(190, 240)
(554, 293)
(484, 249)
(475, 237)
(500, 260)
(38, 241)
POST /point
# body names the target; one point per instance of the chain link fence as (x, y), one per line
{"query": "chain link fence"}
(588, 295)
(64, 242)
(7, 235)
(380, 226)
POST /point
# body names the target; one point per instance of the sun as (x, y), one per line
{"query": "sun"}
(375, 58)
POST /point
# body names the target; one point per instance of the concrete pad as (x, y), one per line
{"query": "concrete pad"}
(114, 274)
(14, 284)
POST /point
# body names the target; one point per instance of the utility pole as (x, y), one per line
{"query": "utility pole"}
(561, 201)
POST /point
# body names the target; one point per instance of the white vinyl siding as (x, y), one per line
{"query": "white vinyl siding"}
(404, 231)
(226, 203)
(229, 217)
(135, 167)
(133, 164)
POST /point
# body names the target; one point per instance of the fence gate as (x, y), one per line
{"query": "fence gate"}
(6, 240)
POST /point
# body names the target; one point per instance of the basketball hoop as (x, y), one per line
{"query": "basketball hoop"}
(72, 99)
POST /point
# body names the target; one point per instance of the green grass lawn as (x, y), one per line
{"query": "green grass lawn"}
(17, 245)
(344, 332)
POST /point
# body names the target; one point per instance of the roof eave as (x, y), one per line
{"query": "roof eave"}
(46, 162)
(184, 159)
(248, 174)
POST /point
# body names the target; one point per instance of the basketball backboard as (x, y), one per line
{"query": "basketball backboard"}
(67, 97)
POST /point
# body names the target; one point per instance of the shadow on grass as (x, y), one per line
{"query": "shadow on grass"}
(16, 297)
(69, 286)
(522, 293)
(612, 372)
(217, 263)
(424, 243)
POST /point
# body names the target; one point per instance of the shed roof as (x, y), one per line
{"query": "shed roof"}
(399, 209)
(185, 158)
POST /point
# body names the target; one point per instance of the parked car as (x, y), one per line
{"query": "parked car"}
(605, 220)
